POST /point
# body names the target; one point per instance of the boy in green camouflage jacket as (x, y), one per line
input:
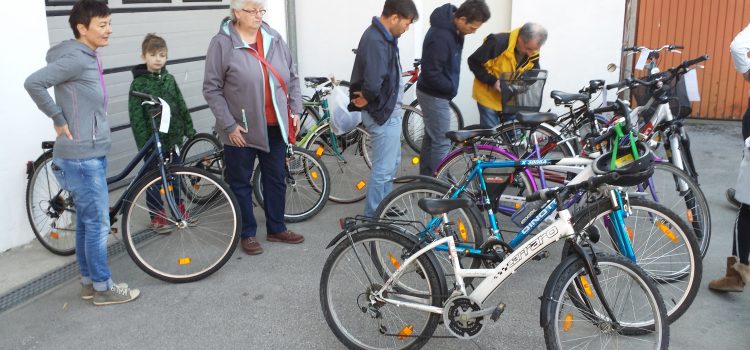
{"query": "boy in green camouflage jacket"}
(152, 78)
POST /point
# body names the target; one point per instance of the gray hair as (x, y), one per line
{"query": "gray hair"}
(240, 4)
(532, 31)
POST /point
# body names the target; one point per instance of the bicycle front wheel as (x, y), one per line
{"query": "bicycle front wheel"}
(663, 244)
(347, 159)
(574, 316)
(412, 125)
(51, 211)
(308, 186)
(360, 318)
(202, 151)
(195, 247)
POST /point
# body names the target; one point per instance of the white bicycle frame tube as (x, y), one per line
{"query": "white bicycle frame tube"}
(561, 228)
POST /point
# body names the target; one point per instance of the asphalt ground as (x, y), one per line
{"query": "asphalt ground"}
(272, 300)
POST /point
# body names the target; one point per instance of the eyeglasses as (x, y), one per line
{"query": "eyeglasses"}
(255, 12)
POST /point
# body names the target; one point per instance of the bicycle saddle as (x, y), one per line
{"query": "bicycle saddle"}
(434, 206)
(316, 80)
(564, 97)
(48, 144)
(463, 135)
(535, 118)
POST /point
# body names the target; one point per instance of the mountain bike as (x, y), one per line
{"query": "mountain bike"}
(381, 287)
(200, 239)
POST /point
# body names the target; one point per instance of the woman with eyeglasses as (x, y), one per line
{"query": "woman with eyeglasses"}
(252, 87)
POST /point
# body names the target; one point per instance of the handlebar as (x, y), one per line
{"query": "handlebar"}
(143, 96)
(590, 184)
(665, 47)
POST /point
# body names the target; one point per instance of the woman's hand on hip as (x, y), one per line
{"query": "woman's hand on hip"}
(295, 123)
(63, 130)
(237, 138)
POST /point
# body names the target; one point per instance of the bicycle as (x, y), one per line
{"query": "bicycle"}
(202, 237)
(630, 235)
(307, 178)
(392, 293)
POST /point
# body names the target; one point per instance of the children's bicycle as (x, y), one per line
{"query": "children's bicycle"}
(199, 239)
(382, 287)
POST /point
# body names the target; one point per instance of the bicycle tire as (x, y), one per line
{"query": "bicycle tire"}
(307, 173)
(202, 151)
(309, 118)
(50, 209)
(677, 272)
(515, 137)
(412, 125)
(342, 302)
(194, 249)
(401, 204)
(351, 169)
(569, 308)
(691, 204)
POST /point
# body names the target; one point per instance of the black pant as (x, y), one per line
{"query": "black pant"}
(741, 245)
(746, 123)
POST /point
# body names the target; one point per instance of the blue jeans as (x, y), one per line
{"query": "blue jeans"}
(489, 118)
(436, 114)
(86, 180)
(238, 172)
(386, 156)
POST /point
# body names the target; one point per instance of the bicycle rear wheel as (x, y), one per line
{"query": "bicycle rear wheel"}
(412, 125)
(359, 318)
(194, 248)
(202, 151)
(308, 186)
(347, 159)
(518, 139)
(663, 244)
(573, 315)
(50, 209)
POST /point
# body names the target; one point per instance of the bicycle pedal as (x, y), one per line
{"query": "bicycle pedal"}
(497, 312)
(540, 256)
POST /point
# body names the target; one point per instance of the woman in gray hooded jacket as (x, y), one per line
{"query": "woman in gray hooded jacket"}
(251, 86)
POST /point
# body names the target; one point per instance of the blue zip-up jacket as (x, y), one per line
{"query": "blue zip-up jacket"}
(377, 71)
(441, 55)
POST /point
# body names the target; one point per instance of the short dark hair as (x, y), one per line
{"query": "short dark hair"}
(153, 43)
(84, 11)
(402, 8)
(474, 11)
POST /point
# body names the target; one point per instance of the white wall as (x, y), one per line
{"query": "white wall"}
(24, 126)
(584, 36)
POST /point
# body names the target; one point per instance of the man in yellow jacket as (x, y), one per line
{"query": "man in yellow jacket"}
(514, 52)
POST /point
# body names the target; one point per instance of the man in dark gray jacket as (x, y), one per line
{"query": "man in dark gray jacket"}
(376, 89)
(79, 114)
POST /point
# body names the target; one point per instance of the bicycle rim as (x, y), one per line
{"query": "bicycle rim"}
(348, 279)
(577, 318)
(203, 151)
(50, 209)
(347, 161)
(190, 250)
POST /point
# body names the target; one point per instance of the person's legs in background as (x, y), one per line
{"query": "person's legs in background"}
(738, 266)
(436, 114)
(488, 118)
(386, 141)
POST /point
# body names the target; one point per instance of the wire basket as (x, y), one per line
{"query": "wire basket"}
(679, 103)
(522, 92)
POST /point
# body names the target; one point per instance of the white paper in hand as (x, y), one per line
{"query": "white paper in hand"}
(166, 115)
(642, 59)
(691, 85)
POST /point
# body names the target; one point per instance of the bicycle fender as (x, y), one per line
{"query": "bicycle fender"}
(546, 297)
(365, 226)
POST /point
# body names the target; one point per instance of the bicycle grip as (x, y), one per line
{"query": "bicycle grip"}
(678, 47)
(700, 59)
(607, 134)
(610, 108)
(141, 95)
(597, 181)
(618, 84)
(544, 194)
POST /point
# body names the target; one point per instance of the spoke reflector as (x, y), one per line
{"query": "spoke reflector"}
(405, 332)
(567, 322)
(54, 235)
(394, 262)
(361, 184)
(666, 231)
(462, 230)
(314, 174)
(586, 286)
(415, 160)
(319, 151)
(183, 261)
(630, 233)
(690, 215)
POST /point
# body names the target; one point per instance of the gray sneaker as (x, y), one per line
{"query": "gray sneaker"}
(118, 294)
(87, 291)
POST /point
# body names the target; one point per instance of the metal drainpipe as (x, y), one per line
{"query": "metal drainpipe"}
(291, 28)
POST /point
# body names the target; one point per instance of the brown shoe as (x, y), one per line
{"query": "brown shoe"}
(251, 246)
(287, 236)
(732, 282)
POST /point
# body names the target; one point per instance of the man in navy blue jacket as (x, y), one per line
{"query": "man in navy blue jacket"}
(376, 90)
(441, 67)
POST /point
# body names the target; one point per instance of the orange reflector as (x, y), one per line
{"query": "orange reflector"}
(183, 261)
(405, 332)
(518, 205)
(567, 322)
(462, 230)
(586, 286)
(197, 186)
(361, 184)
(161, 190)
(54, 235)
(394, 262)
(314, 174)
(666, 231)
(690, 215)
(319, 151)
(630, 234)
(415, 160)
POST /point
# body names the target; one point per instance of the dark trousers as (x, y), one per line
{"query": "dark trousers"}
(154, 199)
(746, 124)
(741, 244)
(239, 162)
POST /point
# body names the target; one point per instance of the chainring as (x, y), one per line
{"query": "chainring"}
(460, 327)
